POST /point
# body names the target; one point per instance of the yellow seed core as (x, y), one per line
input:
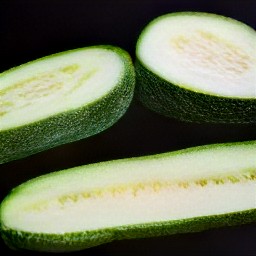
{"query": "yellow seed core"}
(134, 190)
(210, 51)
(42, 86)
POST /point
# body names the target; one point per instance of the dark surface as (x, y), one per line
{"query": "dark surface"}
(32, 29)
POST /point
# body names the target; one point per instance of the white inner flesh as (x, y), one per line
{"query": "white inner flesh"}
(138, 191)
(57, 84)
(201, 53)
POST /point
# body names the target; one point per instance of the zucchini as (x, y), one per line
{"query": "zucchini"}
(198, 67)
(62, 98)
(188, 190)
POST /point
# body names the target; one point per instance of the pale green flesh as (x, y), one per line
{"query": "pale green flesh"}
(203, 181)
(56, 84)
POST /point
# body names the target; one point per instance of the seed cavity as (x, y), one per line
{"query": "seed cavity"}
(218, 181)
(201, 183)
(71, 69)
(46, 86)
(183, 184)
(208, 50)
(84, 77)
(135, 190)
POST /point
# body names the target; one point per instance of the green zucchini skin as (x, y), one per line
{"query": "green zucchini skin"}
(73, 125)
(170, 100)
(19, 240)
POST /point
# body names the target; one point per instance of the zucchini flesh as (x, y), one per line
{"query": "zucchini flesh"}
(69, 96)
(183, 191)
(198, 67)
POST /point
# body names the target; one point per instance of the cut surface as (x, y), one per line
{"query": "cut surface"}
(56, 84)
(202, 52)
(198, 182)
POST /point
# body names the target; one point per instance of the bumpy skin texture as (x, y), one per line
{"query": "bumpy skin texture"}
(82, 240)
(173, 101)
(72, 125)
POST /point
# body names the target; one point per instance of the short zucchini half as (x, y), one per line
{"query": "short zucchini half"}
(184, 191)
(62, 98)
(198, 67)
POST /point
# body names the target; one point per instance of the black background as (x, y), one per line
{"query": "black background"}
(33, 29)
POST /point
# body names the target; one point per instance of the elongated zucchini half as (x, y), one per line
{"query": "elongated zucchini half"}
(184, 191)
(198, 67)
(63, 98)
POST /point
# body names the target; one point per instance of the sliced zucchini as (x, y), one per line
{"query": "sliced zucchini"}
(63, 98)
(198, 67)
(184, 191)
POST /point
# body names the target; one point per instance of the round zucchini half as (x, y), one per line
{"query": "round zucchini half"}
(63, 98)
(198, 67)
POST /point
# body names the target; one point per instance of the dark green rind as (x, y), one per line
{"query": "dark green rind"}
(73, 125)
(81, 240)
(172, 101)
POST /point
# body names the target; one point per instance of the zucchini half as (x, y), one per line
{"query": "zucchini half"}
(62, 98)
(184, 191)
(198, 67)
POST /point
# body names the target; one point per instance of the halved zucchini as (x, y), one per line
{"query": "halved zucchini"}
(184, 191)
(198, 67)
(63, 98)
